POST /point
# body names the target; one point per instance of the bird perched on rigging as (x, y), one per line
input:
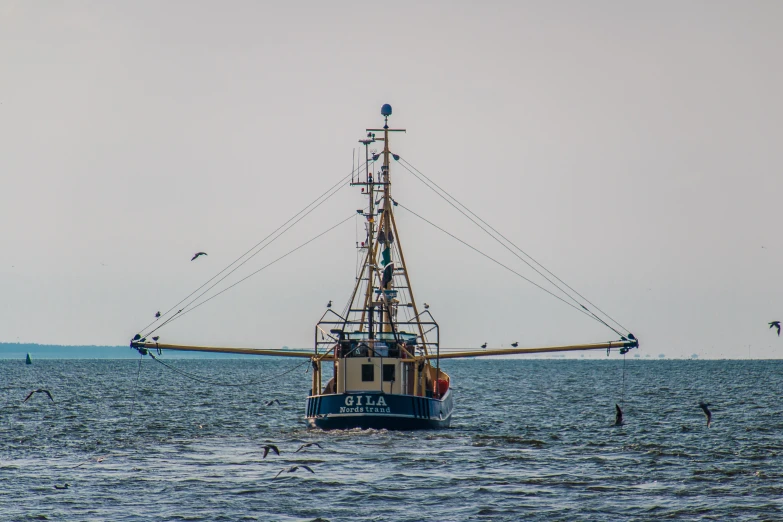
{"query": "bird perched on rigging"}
(294, 468)
(484, 346)
(618, 417)
(157, 314)
(303, 446)
(197, 254)
(515, 344)
(329, 304)
(774, 324)
(426, 306)
(40, 390)
(270, 447)
(156, 338)
(707, 412)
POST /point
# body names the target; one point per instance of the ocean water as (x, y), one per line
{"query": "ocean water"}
(530, 439)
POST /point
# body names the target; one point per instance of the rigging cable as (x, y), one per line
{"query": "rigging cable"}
(403, 162)
(178, 315)
(623, 394)
(502, 265)
(135, 389)
(333, 192)
(215, 383)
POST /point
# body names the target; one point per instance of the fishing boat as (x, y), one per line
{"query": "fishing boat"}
(377, 363)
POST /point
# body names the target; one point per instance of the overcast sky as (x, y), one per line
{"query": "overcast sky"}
(633, 148)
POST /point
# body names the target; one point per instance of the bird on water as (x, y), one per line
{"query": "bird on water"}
(294, 468)
(270, 447)
(64, 486)
(197, 254)
(618, 417)
(774, 324)
(40, 390)
(707, 412)
(269, 403)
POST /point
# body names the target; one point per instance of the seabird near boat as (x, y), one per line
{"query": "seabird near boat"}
(707, 412)
(376, 362)
(270, 447)
(294, 468)
(40, 390)
(308, 445)
(618, 417)
(775, 324)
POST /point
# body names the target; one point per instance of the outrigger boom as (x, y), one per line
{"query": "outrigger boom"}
(623, 346)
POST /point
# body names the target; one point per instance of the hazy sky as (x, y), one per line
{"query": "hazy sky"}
(634, 148)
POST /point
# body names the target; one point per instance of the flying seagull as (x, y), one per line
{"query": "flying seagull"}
(329, 304)
(618, 418)
(197, 254)
(270, 447)
(484, 346)
(157, 314)
(294, 468)
(96, 459)
(515, 344)
(707, 412)
(774, 324)
(269, 403)
(303, 446)
(39, 391)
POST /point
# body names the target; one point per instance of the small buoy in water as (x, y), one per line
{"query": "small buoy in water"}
(29, 360)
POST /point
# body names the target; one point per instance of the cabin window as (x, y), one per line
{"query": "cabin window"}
(368, 372)
(388, 372)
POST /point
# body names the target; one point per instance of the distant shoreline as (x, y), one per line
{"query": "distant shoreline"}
(14, 351)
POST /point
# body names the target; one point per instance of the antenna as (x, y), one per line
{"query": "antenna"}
(386, 111)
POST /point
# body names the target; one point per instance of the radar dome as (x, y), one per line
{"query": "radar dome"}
(386, 110)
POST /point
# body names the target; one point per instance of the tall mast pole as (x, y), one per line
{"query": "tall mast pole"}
(386, 111)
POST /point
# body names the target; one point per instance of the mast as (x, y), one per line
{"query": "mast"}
(379, 236)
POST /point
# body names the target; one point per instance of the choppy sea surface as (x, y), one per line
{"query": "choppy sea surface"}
(530, 439)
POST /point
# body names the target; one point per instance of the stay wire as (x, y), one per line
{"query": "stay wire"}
(426, 184)
(216, 383)
(257, 244)
(257, 271)
(164, 323)
(333, 192)
(498, 262)
(135, 389)
(512, 244)
(623, 392)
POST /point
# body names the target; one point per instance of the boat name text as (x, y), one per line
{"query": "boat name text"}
(353, 404)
